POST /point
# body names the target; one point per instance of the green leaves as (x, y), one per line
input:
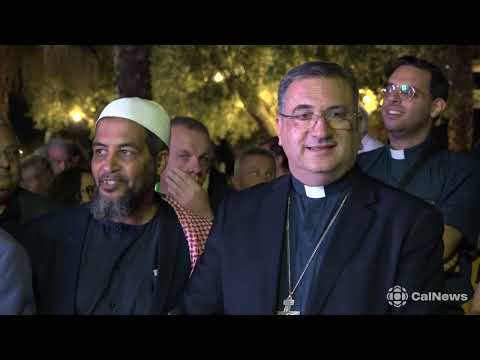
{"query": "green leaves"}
(238, 104)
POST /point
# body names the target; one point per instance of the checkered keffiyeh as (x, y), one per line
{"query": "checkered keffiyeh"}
(196, 229)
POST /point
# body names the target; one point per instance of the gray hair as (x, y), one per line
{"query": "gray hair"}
(316, 69)
(39, 163)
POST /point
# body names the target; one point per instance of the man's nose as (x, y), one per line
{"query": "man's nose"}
(110, 164)
(393, 97)
(195, 165)
(320, 127)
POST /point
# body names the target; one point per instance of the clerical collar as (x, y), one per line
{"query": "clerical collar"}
(319, 192)
(315, 192)
(397, 154)
(409, 153)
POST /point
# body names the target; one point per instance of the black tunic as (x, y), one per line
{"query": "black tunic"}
(117, 273)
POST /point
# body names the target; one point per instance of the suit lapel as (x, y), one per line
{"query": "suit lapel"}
(169, 237)
(347, 236)
(269, 243)
(69, 261)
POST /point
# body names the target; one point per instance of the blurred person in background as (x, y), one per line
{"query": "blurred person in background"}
(36, 174)
(252, 167)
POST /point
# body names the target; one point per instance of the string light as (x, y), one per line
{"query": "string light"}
(218, 77)
(76, 114)
(369, 100)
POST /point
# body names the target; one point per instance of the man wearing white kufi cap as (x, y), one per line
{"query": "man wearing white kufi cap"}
(125, 252)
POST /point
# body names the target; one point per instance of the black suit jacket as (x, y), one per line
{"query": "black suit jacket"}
(383, 238)
(54, 243)
(218, 188)
(22, 207)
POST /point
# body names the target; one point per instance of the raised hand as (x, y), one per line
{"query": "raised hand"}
(186, 191)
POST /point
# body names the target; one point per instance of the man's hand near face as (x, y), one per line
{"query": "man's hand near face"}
(188, 193)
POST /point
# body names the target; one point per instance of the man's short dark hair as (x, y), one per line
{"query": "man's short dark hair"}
(254, 151)
(275, 148)
(439, 85)
(190, 123)
(316, 69)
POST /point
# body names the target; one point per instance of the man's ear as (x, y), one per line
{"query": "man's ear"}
(162, 159)
(279, 128)
(437, 107)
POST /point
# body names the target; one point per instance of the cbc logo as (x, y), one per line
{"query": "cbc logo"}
(397, 296)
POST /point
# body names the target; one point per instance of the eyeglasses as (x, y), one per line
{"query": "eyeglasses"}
(406, 91)
(336, 118)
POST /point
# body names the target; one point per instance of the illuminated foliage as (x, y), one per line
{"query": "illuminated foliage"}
(231, 88)
(60, 79)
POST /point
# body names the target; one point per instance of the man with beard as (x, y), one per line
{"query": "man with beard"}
(125, 252)
(414, 97)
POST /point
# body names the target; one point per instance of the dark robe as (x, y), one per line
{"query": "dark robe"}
(450, 181)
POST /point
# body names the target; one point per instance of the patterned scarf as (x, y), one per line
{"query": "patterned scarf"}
(196, 229)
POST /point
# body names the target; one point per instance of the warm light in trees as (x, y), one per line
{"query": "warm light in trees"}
(218, 77)
(267, 96)
(239, 104)
(76, 114)
(369, 100)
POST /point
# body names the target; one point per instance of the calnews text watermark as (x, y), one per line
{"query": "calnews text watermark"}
(397, 296)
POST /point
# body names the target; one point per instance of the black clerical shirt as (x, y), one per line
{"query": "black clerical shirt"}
(309, 218)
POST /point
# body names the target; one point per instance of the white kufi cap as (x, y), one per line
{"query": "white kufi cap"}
(146, 113)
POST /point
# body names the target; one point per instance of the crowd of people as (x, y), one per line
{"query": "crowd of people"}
(320, 219)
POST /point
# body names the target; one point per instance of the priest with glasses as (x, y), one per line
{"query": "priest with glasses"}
(415, 97)
(325, 239)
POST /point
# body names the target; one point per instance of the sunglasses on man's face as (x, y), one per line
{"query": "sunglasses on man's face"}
(406, 91)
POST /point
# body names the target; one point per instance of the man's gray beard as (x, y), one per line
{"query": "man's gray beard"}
(106, 209)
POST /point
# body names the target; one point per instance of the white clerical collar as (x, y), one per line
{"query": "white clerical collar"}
(315, 192)
(397, 154)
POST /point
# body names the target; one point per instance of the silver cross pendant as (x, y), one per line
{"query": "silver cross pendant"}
(288, 303)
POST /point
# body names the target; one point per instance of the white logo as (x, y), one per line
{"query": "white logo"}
(397, 296)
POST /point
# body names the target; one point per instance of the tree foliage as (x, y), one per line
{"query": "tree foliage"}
(231, 88)
(243, 104)
(61, 78)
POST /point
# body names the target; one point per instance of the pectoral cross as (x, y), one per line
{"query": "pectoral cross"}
(288, 303)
